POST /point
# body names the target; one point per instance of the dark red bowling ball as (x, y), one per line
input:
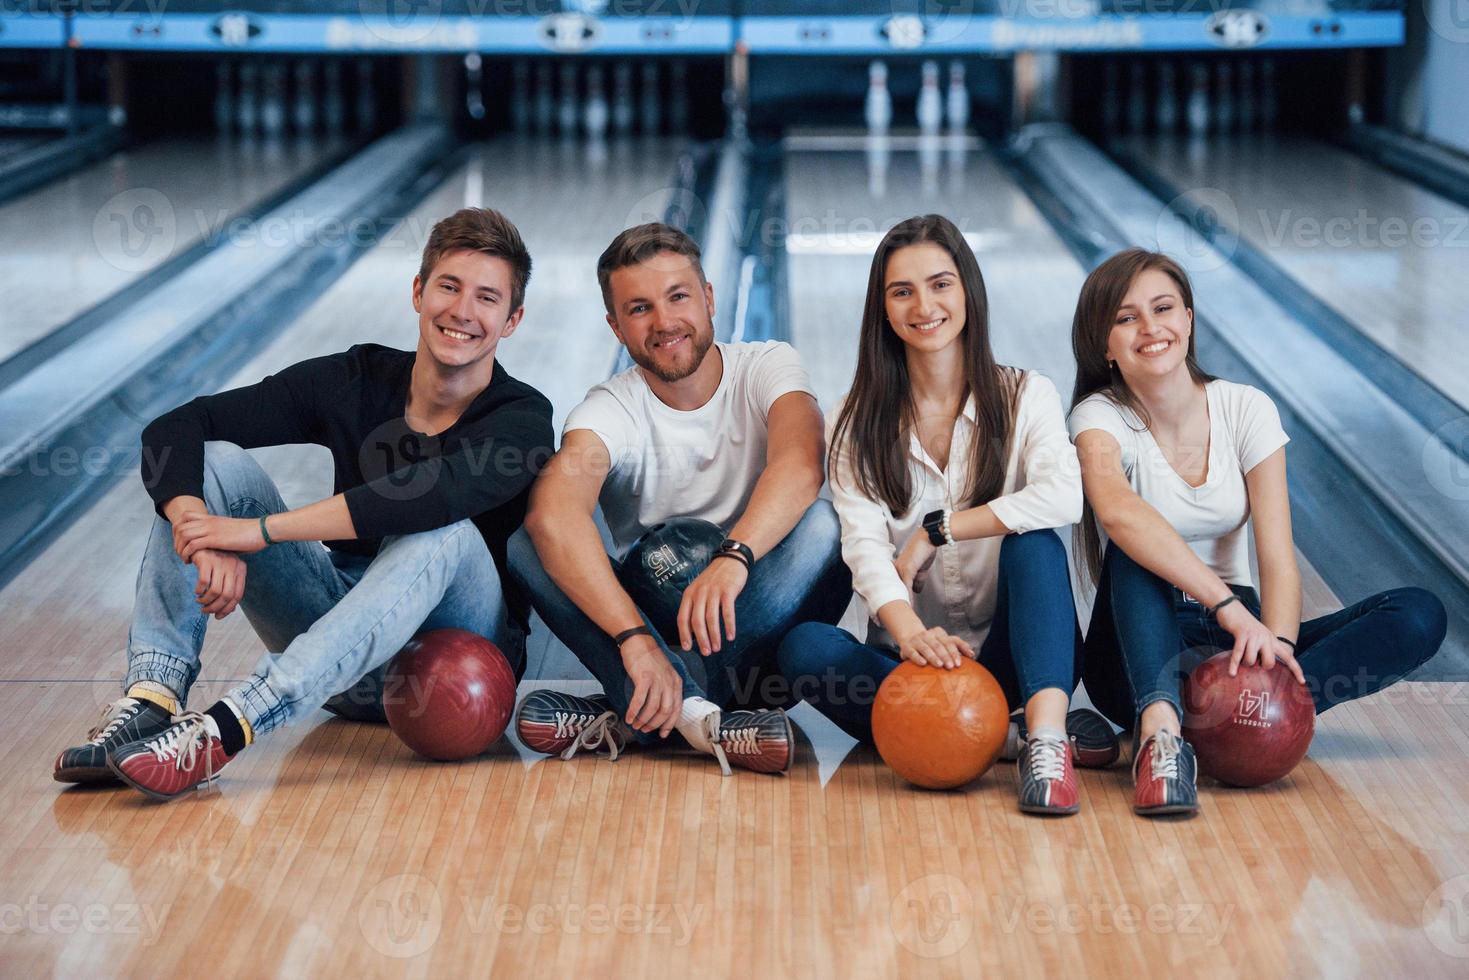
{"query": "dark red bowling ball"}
(448, 694)
(1249, 729)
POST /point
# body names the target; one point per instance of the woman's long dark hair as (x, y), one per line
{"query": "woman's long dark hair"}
(1091, 327)
(877, 417)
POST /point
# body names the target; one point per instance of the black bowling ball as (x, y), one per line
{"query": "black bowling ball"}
(662, 564)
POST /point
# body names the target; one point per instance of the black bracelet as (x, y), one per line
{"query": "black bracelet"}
(264, 534)
(626, 635)
(730, 548)
(1289, 643)
(1214, 610)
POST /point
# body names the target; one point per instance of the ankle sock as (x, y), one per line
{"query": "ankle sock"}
(691, 722)
(155, 693)
(234, 730)
(1049, 731)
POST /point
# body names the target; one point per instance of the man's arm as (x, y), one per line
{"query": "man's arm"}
(561, 525)
(792, 479)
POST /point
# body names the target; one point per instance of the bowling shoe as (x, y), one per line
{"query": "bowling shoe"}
(1165, 776)
(124, 720)
(1093, 743)
(186, 755)
(1047, 777)
(761, 741)
(562, 724)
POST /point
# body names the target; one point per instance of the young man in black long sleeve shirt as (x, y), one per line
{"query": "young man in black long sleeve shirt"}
(433, 452)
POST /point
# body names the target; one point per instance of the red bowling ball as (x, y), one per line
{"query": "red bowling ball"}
(449, 694)
(1249, 729)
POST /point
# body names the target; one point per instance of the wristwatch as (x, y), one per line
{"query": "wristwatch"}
(730, 548)
(936, 523)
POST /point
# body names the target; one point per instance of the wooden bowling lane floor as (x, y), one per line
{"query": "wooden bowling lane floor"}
(331, 849)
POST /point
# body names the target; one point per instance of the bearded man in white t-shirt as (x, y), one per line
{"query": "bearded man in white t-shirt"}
(727, 433)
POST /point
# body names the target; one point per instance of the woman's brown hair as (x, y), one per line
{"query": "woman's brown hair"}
(877, 417)
(1091, 327)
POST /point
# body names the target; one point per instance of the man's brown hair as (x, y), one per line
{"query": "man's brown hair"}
(639, 244)
(479, 230)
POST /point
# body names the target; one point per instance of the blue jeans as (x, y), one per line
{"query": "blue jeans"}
(327, 619)
(1146, 636)
(1033, 642)
(801, 578)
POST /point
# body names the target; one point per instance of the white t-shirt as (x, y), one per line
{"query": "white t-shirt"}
(1244, 430)
(703, 463)
(1042, 489)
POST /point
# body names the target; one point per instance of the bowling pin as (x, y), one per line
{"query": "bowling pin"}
(520, 97)
(678, 96)
(333, 110)
(366, 108)
(247, 106)
(1269, 100)
(1245, 116)
(930, 161)
(1224, 99)
(930, 102)
(567, 115)
(273, 99)
(1111, 99)
(474, 98)
(545, 114)
(622, 103)
(1167, 99)
(1137, 102)
(1198, 100)
(224, 96)
(878, 109)
(595, 116)
(957, 100)
(652, 104)
(303, 114)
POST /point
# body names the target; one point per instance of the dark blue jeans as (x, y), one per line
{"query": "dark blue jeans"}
(802, 578)
(1033, 642)
(1146, 636)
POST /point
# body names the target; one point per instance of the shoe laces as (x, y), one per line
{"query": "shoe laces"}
(182, 742)
(716, 740)
(114, 716)
(570, 724)
(1047, 758)
(599, 732)
(1166, 750)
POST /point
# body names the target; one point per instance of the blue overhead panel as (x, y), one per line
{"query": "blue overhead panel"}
(621, 27)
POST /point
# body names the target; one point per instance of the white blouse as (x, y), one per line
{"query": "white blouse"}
(1042, 489)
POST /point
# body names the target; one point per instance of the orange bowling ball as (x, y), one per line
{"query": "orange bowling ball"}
(940, 728)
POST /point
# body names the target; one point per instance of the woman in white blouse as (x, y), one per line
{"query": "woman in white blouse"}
(949, 473)
(1176, 465)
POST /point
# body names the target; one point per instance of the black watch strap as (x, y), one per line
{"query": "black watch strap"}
(730, 548)
(933, 523)
(626, 635)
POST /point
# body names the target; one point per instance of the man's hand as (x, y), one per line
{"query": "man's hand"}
(221, 582)
(657, 693)
(914, 561)
(196, 532)
(708, 597)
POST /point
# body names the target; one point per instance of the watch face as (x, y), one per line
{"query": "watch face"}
(728, 543)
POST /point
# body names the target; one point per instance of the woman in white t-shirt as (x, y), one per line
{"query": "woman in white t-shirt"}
(948, 473)
(1177, 465)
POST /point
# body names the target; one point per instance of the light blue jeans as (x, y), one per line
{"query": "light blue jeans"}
(328, 620)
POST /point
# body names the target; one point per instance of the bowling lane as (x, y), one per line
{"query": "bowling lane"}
(1383, 252)
(73, 242)
(838, 205)
(68, 612)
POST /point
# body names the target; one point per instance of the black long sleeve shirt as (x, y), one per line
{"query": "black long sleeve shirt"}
(395, 480)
